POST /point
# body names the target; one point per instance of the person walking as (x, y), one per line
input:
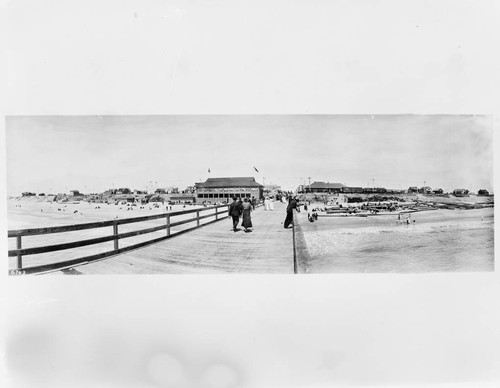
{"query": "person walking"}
(247, 218)
(235, 212)
(289, 212)
(266, 203)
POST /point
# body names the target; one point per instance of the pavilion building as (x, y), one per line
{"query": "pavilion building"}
(223, 189)
(324, 187)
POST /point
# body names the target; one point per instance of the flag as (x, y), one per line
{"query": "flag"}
(255, 168)
(209, 170)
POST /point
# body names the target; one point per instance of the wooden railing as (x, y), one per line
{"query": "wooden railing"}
(19, 252)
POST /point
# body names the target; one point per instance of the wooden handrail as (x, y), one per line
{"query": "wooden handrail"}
(18, 234)
(101, 224)
(82, 243)
(60, 247)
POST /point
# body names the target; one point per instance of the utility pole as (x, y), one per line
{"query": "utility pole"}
(309, 180)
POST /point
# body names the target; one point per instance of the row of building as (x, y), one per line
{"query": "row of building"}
(223, 189)
(339, 188)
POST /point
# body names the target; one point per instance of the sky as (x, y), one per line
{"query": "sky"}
(55, 154)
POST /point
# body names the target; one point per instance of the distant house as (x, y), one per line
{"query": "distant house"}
(74, 193)
(425, 190)
(172, 190)
(28, 194)
(324, 187)
(412, 190)
(483, 192)
(126, 197)
(437, 191)
(123, 190)
(167, 190)
(140, 191)
(460, 192)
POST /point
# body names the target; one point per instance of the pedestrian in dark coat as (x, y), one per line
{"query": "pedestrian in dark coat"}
(235, 210)
(289, 212)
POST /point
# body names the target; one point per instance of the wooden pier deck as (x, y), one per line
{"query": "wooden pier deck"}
(212, 249)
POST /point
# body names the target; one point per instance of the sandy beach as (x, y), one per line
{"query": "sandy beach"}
(40, 213)
(438, 241)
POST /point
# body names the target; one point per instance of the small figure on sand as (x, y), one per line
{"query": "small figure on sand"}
(235, 210)
(247, 219)
(289, 212)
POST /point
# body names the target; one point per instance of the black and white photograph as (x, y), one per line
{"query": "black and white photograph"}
(250, 194)
(265, 194)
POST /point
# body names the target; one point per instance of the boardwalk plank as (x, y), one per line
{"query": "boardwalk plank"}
(213, 249)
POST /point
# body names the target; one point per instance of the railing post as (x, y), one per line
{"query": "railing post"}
(295, 263)
(216, 213)
(198, 217)
(115, 232)
(19, 256)
(168, 225)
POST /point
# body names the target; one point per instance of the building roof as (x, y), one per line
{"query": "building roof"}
(324, 185)
(229, 182)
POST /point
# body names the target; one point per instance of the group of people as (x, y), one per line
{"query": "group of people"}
(239, 208)
(244, 208)
(404, 219)
(268, 204)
